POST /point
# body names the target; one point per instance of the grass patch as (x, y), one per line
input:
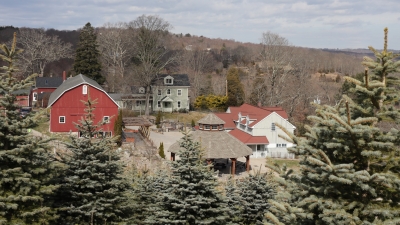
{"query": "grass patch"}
(184, 117)
(42, 124)
(290, 163)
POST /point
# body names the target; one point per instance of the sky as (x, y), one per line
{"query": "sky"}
(309, 23)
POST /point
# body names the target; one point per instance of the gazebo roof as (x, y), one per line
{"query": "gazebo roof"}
(211, 119)
(216, 145)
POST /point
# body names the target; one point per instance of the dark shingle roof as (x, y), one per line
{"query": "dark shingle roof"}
(135, 90)
(71, 83)
(25, 91)
(48, 82)
(179, 80)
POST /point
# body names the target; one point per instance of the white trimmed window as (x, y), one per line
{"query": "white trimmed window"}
(214, 127)
(34, 96)
(168, 81)
(84, 89)
(179, 104)
(206, 127)
(168, 91)
(61, 119)
(179, 92)
(273, 126)
(106, 119)
(159, 91)
(159, 104)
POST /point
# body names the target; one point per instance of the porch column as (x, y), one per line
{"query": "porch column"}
(247, 163)
(172, 156)
(233, 167)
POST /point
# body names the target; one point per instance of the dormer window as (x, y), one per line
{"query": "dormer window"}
(168, 80)
(84, 89)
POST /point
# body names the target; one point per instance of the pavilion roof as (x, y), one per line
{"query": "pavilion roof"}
(217, 144)
(211, 119)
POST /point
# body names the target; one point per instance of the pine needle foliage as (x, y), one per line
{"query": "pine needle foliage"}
(255, 191)
(87, 55)
(145, 195)
(348, 165)
(191, 195)
(92, 190)
(27, 169)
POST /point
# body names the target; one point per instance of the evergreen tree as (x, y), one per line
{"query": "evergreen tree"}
(144, 196)
(87, 55)
(255, 192)
(190, 196)
(161, 150)
(233, 201)
(26, 167)
(158, 118)
(259, 91)
(349, 167)
(92, 190)
(236, 95)
(118, 125)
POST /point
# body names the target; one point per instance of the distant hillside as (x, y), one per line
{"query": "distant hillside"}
(359, 52)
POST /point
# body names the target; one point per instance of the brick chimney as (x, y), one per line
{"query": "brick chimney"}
(259, 104)
(64, 75)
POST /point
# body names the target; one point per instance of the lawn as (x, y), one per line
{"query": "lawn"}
(184, 117)
(290, 163)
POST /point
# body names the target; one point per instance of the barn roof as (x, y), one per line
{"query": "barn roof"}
(216, 145)
(73, 82)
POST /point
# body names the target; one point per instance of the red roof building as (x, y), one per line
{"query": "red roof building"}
(67, 107)
(255, 127)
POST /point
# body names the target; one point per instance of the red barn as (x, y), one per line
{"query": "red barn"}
(66, 105)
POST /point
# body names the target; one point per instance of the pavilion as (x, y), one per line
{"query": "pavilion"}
(217, 143)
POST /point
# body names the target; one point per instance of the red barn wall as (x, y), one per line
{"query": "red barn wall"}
(71, 106)
(23, 100)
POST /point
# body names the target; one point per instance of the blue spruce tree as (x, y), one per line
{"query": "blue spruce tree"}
(349, 165)
(93, 189)
(26, 166)
(191, 195)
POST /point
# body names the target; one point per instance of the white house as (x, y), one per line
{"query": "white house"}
(256, 127)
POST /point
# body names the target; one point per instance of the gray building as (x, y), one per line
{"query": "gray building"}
(169, 93)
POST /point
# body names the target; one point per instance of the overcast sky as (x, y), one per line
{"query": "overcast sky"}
(312, 23)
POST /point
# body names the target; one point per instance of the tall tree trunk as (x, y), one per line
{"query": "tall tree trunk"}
(146, 110)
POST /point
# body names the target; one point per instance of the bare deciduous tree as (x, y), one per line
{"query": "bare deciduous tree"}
(40, 49)
(197, 64)
(150, 51)
(276, 56)
(116, 52)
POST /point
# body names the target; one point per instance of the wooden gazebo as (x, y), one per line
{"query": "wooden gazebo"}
(216, 142)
